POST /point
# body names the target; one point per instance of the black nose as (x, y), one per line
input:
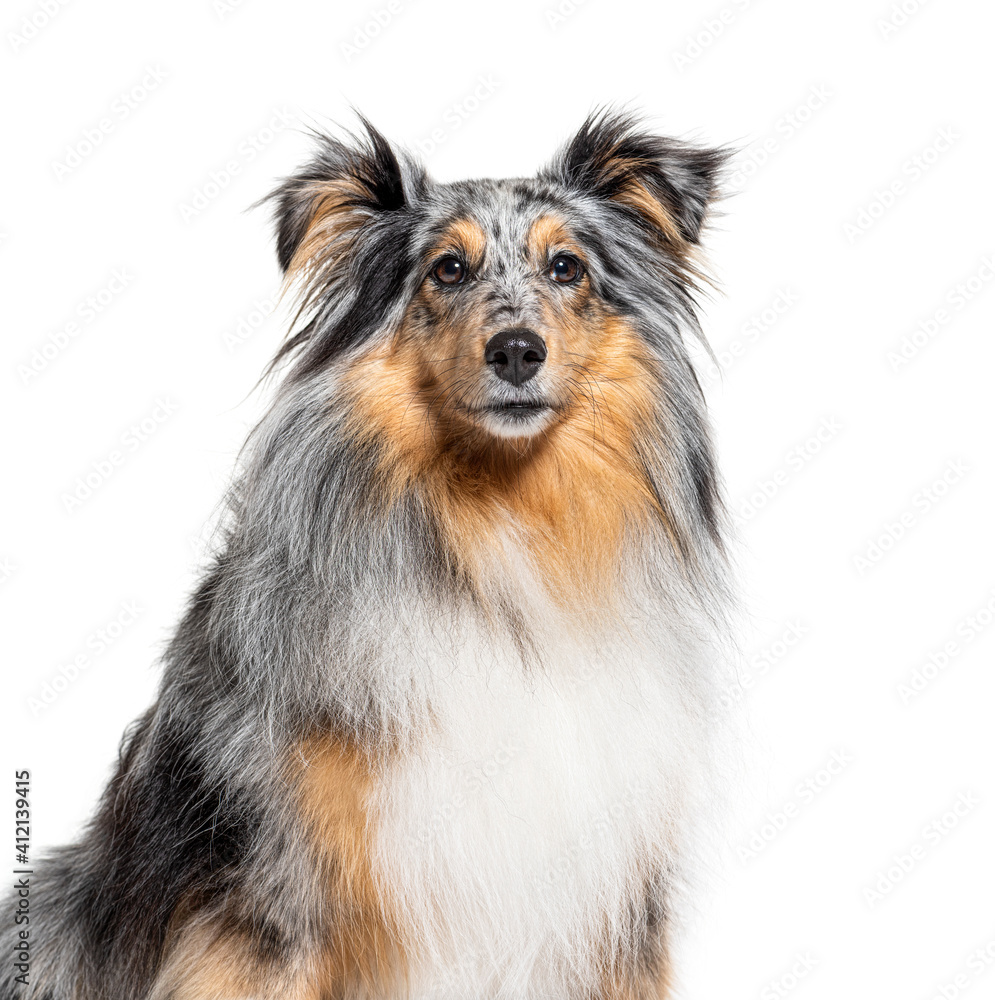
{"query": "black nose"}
(515, 355)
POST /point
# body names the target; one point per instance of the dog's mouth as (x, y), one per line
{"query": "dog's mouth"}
(514, 417)
(518, 408)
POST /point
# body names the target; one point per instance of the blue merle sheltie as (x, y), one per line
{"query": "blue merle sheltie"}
(440, 720)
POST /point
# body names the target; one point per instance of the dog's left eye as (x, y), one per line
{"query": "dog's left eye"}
(564, 269)
(449, 271)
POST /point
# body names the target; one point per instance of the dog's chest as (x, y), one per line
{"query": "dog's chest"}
(520, 837)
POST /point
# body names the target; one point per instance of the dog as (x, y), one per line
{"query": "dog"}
(441, 718)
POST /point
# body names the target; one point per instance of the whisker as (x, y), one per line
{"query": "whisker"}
(595, 409)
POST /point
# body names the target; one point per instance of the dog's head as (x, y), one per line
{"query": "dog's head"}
(508, 303)
(533, 325)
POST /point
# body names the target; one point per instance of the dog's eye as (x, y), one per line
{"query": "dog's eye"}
(564, 269)
(449, 271)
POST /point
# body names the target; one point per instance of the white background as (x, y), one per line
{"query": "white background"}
(821, 281)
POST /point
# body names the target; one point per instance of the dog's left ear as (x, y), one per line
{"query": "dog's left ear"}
(668, 182)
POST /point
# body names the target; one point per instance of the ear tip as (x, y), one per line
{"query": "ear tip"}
(607, 125)
(614, 122)
(611, 113)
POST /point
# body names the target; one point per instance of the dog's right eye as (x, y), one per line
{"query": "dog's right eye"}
(449, 271)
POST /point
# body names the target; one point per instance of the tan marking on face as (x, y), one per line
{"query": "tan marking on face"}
(463, 237)
(569, 495)
(548, 232)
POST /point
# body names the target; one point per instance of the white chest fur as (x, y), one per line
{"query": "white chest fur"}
(520, 834)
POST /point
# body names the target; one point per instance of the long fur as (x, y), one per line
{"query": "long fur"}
(439, 721)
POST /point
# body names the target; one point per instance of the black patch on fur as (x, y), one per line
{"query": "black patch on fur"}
(165, 831)
(264, 939)
(378, 273)
(704, 480)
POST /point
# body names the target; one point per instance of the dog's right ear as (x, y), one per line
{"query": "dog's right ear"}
(343, 232)
(320, 209)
